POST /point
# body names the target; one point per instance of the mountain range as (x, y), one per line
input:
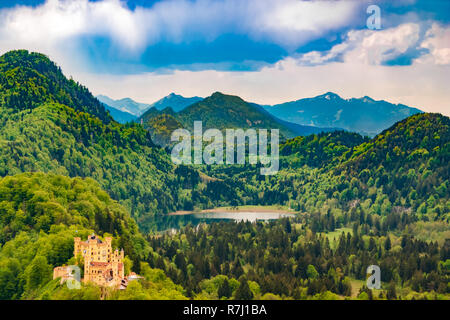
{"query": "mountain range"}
(136, 109)
(125, 105)
(363, 115)
(223, 111)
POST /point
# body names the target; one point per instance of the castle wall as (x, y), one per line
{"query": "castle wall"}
(102, 265)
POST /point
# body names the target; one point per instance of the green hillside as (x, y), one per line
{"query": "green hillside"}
(161, 127)
(40, 214)
(421, 139)
(403, 172)
(28, 80)
(225, 111)
(322, 149)
(67, 140)
(37, 201)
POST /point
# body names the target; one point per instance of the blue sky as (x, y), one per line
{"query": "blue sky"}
(266, 51)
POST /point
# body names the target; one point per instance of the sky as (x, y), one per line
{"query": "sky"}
(264, 51)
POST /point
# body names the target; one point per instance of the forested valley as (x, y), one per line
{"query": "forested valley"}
(68, 169)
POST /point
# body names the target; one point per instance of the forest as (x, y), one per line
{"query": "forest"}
(68, 169)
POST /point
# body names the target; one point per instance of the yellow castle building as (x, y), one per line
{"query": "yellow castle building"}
(102, 265)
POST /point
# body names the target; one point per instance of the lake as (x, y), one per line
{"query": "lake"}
(242, 215)
(176, 221)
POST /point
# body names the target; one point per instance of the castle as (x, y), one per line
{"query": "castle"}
(102, 265)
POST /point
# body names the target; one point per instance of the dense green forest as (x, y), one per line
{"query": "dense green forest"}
(40, 214)
(285, 259)
(339, 171)
(67, 168)
(56, 134)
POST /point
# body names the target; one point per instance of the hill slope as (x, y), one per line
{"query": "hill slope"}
(322, 149)
(412, 142)
(28, 80)
(52, 137)
(41, 214)
(161, 127)
(409, 160)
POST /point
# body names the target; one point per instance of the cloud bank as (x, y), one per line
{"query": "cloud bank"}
(288, 23)
(266, 51)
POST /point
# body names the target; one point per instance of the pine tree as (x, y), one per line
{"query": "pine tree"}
(387, 244)
(391, 293)
(224, 289)
(243, 292)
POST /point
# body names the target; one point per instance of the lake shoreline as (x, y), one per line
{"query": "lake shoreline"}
(235, 210)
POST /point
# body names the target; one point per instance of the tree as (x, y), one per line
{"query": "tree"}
(372, 244)
(387, 244)
(237, 269)
(391, 293)
(136, 264)
(127, 263)
(311, 272)
(224, 289)
(8, 284)
(243, 292)
(287, 226)
(37, 273)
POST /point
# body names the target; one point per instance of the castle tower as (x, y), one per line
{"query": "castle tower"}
(76, 246)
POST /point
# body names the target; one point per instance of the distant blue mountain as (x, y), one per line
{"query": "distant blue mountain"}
(175, 101)
(297, 129)
(120, 116)
(326, 112)
(364, 115)
(125, 105)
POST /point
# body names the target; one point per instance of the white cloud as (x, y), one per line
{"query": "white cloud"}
(438, 44)
(292, 22)
(57, 21)
(369, 46)
(285, 22)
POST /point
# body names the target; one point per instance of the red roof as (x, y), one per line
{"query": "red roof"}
(99, 264)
